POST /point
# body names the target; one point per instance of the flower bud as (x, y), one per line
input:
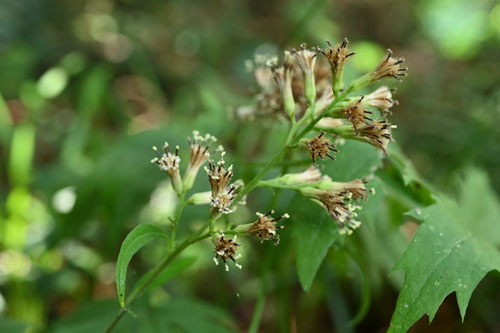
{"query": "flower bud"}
(311, 175)
(200, 198)
(307, 60)
(283, 78)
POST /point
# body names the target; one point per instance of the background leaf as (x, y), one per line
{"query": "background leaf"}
(173, 269)
(135, 240)
(175, 315)
(355, 160)
(451, 252)
(314, 232)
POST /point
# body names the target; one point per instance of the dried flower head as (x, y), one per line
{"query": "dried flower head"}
(169, 163)
(320, 147)
(389, 67)
(338, 205)
(337, 55)
(381, 99)
(357, 188)
(198, 147)
(378, 134)
(265, 227)
(223, 194)
(357, 114)
(226, 249)
(218, 176)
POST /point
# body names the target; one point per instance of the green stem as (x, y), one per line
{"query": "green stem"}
(177, 217)
(259, 306)
(154, 275)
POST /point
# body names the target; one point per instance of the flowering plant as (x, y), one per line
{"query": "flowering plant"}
(342, 128)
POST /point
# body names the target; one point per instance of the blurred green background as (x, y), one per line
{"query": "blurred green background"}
(87, 87)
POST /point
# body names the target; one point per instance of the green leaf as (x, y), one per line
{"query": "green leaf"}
(315, 232)
(135, 240)
(7, 325)
(355, 160)
(174, 315)
(173, 269)
(452, 251)
(403, 164)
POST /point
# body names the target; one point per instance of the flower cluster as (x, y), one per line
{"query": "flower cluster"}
(339, 199)
(170, 162)
(301, 80)
(306, 89)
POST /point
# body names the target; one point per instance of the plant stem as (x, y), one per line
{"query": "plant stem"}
(259, 306)
(177, 217)
(249, 187)
(154, 275)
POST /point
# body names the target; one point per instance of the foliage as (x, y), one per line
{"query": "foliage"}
(87, 88)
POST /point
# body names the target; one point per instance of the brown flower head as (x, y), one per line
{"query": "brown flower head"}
(223, 194)
(381, 99)
(378, 134)
(338, 205)
(265, 227)
(357, 114)
(218, 176)
(337, 56)
(389, 67)
(226, 249)
(357, 188)
(320, 147)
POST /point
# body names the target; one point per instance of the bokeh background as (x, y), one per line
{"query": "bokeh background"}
(87, 87)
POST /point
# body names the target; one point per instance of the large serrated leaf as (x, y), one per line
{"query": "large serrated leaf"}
(135, 240)
(452, 251)
(314, 232)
